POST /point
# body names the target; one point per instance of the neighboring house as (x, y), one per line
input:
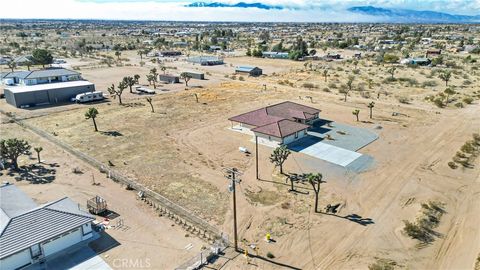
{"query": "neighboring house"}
(195, 75)
(206, 60)
(4, 60)
(180, 44)
(279, 124)
(214, 48)
(170, 53)
(433, 53)
(168, 78)
(29, 233)
(23, 60)
(333, 56)
(252, 71)
(275, 55)
(49, 75)
(416, 61)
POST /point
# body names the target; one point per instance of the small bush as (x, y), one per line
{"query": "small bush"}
(270, 255)
(438, 102)
(459, 105)
(332, 85)
(326, 89)
(468, 100)
(309, 85)
(403, 100)
(452, 165)
(382, 264)
(241, 78)
(429, 84)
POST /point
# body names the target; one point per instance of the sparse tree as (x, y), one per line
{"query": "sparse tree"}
(12, 149)
(445, 75)
(118, 54)
(136, 77)
(350, 82)
(391, 71)
(370, 106)
(38, 150)
(92, 114)
(42, 57)
(344, 90)
(141, 53)
(279, 156)
(315, 179)
(164, 69)
(186, 77)
(448, 92)
(117, 92)
(12, 65)
(356, 112)
(154, 80)
(151, 79)
(149, 100)
(325, 74)
(130, 82)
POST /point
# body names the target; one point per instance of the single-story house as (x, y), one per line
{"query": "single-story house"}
(282, 123)
(195, 75)
(275, 55)
(168, 78)
(206, 60)
(433, 53)
(170, 53)
(30, 233)
(49, 75)
(333, 56)
(252, 71)
(48, 93)
(214, 48)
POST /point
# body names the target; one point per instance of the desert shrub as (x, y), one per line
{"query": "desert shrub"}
(389, 80)
(382, 264)
(438, 102)
(403, 100)
(332, 85)
(468, 148)
(233, 77)
(356, 71)
(468, 100)
(309, 85)
(467, 82)
(429, 84)
(270, 255)
(241, 78)
(415, 231)
(326, 89)
(459, 105)
(452, 165)
(339, 69)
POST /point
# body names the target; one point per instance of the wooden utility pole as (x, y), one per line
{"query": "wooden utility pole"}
(256, 157)
(231, 175)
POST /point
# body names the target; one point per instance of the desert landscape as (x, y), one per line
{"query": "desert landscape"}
(412, 204)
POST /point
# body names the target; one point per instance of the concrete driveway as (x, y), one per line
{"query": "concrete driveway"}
(327, 152)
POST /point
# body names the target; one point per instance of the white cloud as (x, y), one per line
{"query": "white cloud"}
(311, 11)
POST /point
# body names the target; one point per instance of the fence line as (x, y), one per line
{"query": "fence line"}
(159, 202)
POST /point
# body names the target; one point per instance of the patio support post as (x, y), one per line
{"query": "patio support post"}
(256, 156)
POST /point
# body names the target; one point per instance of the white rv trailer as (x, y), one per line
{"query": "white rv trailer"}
(91, 96)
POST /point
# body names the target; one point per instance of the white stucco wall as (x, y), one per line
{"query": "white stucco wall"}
(65, 241)
(16, 260)
(291, 138)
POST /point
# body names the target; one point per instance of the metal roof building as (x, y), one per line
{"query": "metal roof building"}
(29, 233)
(252, 71)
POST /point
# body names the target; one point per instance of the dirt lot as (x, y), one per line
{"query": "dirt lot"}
(180, 150)
(149, 239)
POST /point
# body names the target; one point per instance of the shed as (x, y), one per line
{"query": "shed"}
(252, 71)
(168, 78)
(43, 94)
(195, 75)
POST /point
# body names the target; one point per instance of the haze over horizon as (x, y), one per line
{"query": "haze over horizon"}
(229, 10)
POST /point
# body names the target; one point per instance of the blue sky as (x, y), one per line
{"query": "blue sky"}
(295, 10)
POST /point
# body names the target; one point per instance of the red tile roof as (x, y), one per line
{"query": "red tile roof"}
(277, 120)
(281, 129)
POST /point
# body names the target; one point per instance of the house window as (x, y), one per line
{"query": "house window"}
(305, 132)
(296, 135)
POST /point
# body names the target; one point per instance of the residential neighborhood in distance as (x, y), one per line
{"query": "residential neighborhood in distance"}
(239, 135)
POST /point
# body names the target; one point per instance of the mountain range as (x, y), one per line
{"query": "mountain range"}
(378, 14)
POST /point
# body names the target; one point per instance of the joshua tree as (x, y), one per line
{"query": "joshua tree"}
(356, 113)
(136, 77)
(28, 64)
(196, 97)
(315, 179)
(186, 77)
(279, 156)
(350, 82)
(164, 69)
(141, 52)
(151, 79)
(12, 65)
(370, 106)
(129, 81)
(445, 76)
(154, 73)
(325, 74)
(117, 54)
(38, 150)
(344, 90)
(149, 100)
(92, 114)
(355, 63)
(448, 92)
(12, 149)
(117, 92)
(392, 70)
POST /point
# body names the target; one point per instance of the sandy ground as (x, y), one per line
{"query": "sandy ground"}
(181, 148)
(149, 239)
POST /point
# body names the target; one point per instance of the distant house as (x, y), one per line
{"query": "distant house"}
(433, 53)
(275, 55)
(23, 60)
(49, 75)
(195, 75)
(416, 61)
(282, 123)
(168, 78)
(335, 56)
(215, 48)
(206, 60)
(180, 44)
(29, 233)
(252, 71)
(170, 53)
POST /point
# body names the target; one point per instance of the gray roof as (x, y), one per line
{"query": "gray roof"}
(51, 72)
(25, 228)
